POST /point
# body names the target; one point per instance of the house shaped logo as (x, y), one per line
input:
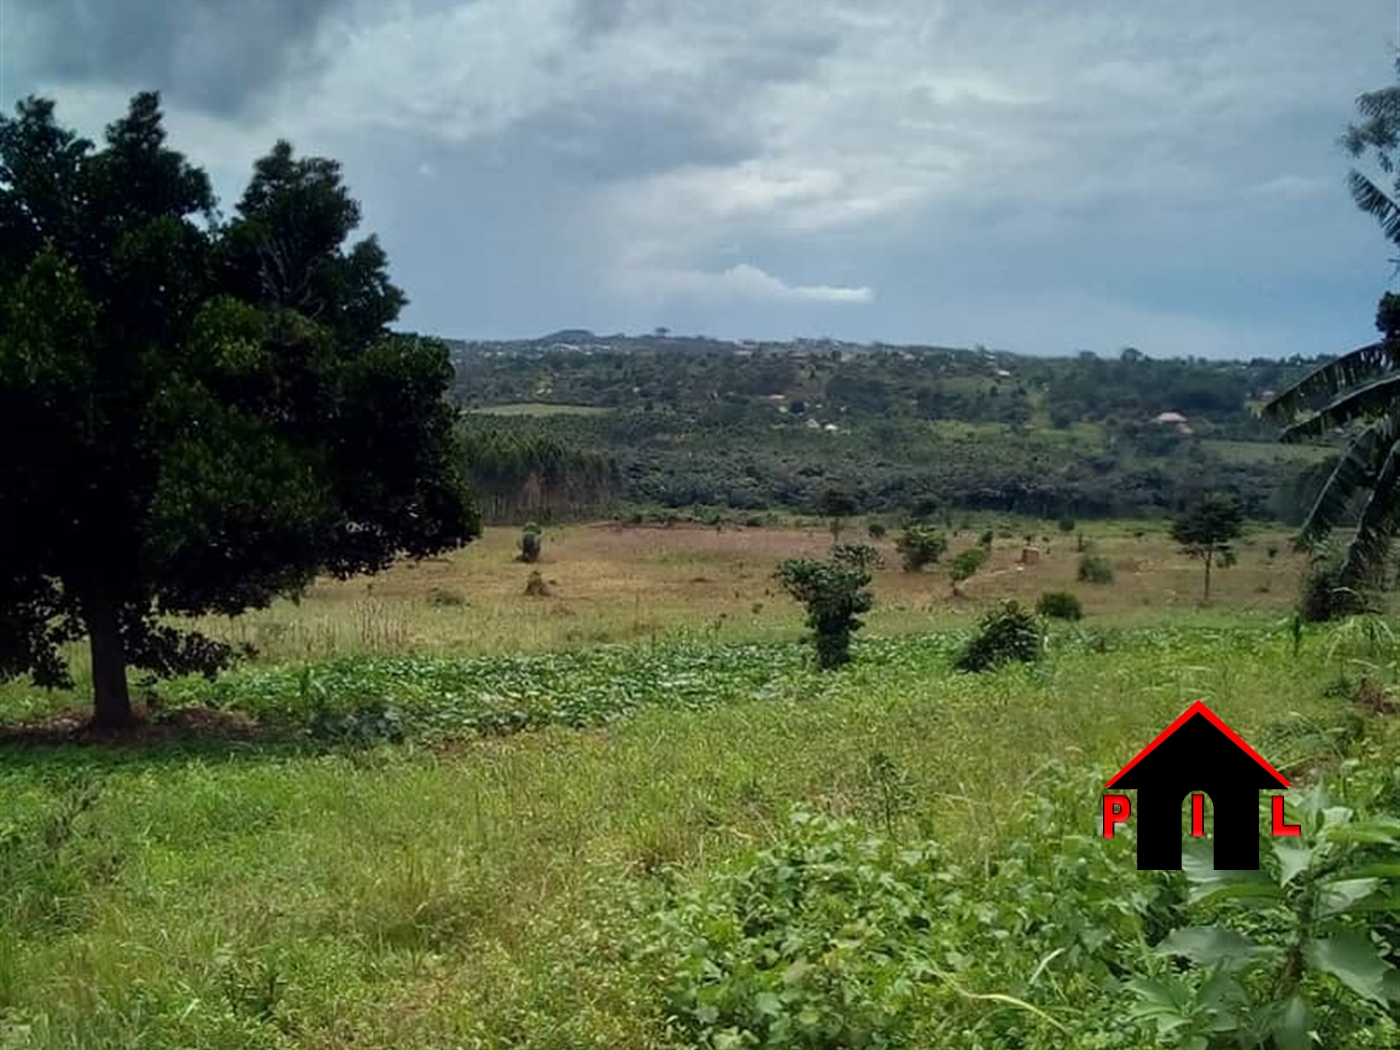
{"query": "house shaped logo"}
(1199, 755)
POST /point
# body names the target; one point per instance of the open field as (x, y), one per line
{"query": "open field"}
(611, 583)
(616, 584)
(293, 879)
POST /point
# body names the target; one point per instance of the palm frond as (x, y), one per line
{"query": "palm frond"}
(1365, 401)
(1331, 379)
(1380, 519)
(1357, 469)
(1373, 200)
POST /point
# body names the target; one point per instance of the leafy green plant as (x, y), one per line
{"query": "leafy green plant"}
(1307, 944)
(1095, 568)
(876, 530)
(831, 939)
(1007, 634)
(1059, 605)
(920, 545)
(835, 595)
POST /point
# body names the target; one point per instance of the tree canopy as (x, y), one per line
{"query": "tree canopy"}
(1207, 530)
(197, 416)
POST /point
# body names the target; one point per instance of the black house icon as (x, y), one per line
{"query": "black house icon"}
(1198, 752)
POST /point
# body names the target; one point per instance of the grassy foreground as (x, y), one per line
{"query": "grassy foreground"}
(455, 890)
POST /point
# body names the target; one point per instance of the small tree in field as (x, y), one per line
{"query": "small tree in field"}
(920, 545)
(197, 416)
(1206, 531)
(838, 505)
(835, 595)
(965, 565)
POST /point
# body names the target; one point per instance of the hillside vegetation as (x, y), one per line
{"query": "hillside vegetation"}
(695, 422)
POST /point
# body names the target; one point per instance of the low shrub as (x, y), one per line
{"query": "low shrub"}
(966, 564)
(1325, 595)
(1095, 568)
(530, 544)
(1008, 634)
(1059, 605)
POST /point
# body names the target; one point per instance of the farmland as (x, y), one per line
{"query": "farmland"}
(434, 812)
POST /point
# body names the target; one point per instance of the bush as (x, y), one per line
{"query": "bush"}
(835, 595)
(1059, 605)
(920, 545)
(967, 563)
(1095, 568)
(530, 544)
(857, 555)
(986, 538)
(1005, 635)
(877, 530)
(1068, 524)
(1326, 596)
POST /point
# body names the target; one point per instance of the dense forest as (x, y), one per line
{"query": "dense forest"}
(675, 422)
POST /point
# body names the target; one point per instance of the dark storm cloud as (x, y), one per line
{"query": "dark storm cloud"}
(213, 55)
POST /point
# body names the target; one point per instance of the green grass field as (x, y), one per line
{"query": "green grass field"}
(569, 822)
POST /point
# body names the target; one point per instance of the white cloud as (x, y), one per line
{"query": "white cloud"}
(742, 282)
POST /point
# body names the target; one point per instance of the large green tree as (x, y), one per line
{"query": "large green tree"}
(1358, 393)
(196, 415)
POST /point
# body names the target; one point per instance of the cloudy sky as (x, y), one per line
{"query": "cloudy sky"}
(1039, 175)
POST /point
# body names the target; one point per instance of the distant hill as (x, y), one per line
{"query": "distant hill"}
(751, 424)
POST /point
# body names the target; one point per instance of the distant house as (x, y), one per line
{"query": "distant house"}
(1173, 419)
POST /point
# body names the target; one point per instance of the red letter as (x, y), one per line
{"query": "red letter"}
(1280, 828)
(1116, 810)
(1198, 816)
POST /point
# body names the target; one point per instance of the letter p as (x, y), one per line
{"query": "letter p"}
(1116, 810)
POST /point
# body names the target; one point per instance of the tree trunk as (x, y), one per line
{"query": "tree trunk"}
(110, 695)
(1209, 557)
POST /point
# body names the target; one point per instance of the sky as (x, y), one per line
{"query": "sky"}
(1040, 176)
